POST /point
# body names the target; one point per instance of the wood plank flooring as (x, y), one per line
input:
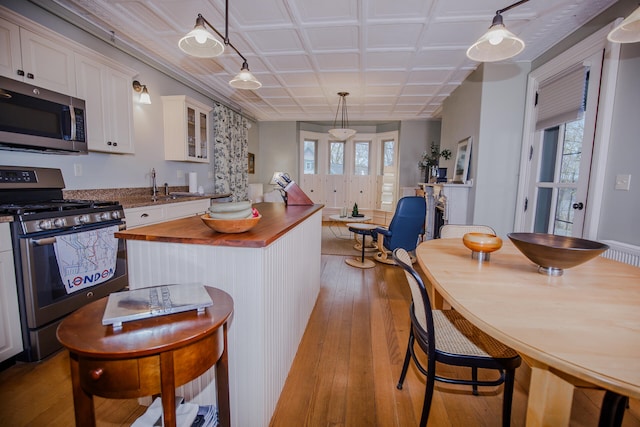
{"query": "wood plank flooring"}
(344, 374)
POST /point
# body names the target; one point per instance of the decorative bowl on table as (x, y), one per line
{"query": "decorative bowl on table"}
(553, 253)
(481, 244)
(239, 225)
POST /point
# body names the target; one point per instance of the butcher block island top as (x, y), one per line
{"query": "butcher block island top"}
(277, 219)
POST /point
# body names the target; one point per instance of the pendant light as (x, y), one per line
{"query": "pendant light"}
(628, 31)
(200, 43)
(343, 132)
(497, 43)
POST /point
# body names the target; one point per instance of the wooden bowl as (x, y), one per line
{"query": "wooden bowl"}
(230, 225)
(554, 253)
(482, 242)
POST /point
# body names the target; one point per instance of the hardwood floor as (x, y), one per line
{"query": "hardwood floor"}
(344, 373)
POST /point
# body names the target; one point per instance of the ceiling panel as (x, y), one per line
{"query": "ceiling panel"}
(399, 59)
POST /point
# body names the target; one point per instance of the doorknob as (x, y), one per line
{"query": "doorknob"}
(578, 206)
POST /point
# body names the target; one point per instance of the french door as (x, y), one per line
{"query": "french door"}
(560, 163)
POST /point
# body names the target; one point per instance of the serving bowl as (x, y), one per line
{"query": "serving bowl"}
(231, 225)
(553, 253)
(481, 244)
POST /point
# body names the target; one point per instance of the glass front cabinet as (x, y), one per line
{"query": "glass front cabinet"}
(186, 136)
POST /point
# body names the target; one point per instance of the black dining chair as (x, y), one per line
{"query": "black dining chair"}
(447, 337)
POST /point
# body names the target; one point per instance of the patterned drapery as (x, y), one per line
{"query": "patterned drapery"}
(230, 153)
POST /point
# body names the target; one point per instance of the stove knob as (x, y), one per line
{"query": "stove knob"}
(115, 214)
(83, 219)
(104, 216)
(45, 224)
(59, 222)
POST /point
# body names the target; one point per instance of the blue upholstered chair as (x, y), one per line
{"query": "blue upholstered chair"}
(404, 230)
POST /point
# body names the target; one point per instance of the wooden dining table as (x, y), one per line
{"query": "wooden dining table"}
(581, 329)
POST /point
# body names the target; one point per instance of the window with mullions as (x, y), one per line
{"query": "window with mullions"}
(310, 157)
(388, 151)
(336, 158)
(361, 158)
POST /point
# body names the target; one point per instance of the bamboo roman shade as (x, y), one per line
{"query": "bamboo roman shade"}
(562, 98)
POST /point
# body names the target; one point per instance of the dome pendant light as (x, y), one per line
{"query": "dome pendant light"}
(497, 43)
(200, 43)
(628, 31)
(343, 132)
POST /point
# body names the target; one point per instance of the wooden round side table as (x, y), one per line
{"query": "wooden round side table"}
(146, 357)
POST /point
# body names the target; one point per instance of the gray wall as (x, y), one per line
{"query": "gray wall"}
(415, 138)
(621, 209)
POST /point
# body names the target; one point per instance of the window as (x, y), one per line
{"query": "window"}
(388, 152)
(310, 157)
(361, 158)
(336, 158)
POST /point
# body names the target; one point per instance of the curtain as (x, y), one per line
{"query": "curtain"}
(230, 153)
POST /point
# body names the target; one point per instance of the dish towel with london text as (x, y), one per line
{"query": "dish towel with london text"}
(86, 258)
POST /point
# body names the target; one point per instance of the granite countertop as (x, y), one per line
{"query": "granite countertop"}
(6, 218)
(139, 197)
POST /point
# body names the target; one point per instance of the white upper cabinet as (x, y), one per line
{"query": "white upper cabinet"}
(186, 133)
(107, 93)
(45, 62)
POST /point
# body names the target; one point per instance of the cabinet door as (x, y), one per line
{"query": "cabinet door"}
(10, 56)
(203, 139)
(313, 186)
(119, 111)
(186, 132)
(361, 188)
(107, 94)
(10, 330)
(48, 63)
(335, 191)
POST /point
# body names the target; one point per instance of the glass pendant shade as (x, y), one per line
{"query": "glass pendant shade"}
(200, 43)
(245, 79)
(144, 96)
(628, 31)
(496, 44)
(343, 132)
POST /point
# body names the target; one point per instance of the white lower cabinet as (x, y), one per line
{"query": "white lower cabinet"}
(147, 215)
(10, 331)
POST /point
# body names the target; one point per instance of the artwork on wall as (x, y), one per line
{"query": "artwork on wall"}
(463, 157)
(252, 163)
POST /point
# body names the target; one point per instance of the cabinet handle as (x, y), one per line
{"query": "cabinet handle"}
(115, 144)
(20, 72)
(144, 215)
(108, 142)
(29, 75)
(95, 374)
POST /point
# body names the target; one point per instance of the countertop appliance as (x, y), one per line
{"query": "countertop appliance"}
(33, 197)
(32, 118)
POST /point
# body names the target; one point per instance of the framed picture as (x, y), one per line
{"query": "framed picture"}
(252, 163)
(463, 157)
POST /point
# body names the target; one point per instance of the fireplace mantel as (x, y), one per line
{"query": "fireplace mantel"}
(453, 199)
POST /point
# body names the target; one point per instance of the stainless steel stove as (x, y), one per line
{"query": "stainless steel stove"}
(42, 218)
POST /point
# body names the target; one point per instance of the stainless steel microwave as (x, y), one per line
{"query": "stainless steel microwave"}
(32, 118)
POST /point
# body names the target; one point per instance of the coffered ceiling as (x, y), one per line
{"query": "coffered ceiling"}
(399, 59)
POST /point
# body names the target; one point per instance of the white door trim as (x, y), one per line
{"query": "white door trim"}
(581, 51)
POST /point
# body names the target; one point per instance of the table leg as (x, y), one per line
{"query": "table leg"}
(550, 399)
(82, 402)
(222, 385)
(168, 389)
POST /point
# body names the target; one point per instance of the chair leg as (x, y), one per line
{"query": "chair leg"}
(474, 378)
(428, 394)
(612, 411)
(509, 381)
(407, 359)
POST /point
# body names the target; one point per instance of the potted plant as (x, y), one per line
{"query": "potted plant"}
(430, 160)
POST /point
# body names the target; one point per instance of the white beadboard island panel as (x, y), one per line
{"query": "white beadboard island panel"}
(274, 289)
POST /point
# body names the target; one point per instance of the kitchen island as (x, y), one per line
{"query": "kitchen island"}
(272, 272)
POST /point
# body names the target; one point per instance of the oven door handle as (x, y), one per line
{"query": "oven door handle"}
(52, 240)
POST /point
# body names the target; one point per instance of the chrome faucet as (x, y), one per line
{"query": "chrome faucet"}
(154, 188)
